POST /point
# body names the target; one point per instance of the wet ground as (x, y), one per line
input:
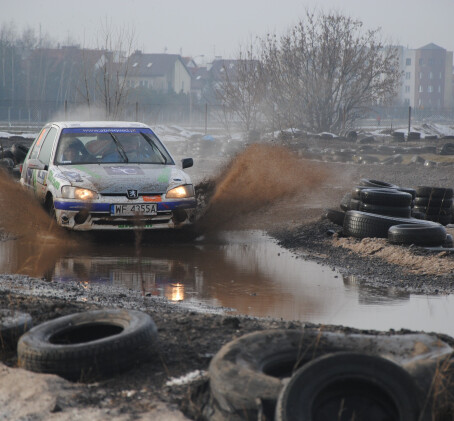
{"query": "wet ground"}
(246, 272)
(309, 277)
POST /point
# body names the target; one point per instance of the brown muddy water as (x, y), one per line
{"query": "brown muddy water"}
(245, 271)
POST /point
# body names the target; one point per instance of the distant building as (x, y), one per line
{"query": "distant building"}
(427, 77)
(160, 72)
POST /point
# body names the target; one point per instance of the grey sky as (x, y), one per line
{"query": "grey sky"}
(218, 27)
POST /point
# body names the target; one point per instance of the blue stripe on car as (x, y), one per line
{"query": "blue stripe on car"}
(105, 207)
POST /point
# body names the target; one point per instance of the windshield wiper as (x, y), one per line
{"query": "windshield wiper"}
(120, 149)
(153, 146)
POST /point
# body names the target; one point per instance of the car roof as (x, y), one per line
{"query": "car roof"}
(97, 124)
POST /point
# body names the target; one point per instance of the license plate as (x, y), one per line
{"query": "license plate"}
(135, 209)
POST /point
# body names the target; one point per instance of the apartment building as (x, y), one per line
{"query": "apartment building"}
(427, 77)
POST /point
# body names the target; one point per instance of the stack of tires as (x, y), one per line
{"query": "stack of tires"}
(434, 204)
(383, 210)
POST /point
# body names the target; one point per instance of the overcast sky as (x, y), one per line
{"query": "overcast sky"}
(218, 27)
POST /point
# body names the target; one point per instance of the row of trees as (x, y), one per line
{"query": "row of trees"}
(324, 74)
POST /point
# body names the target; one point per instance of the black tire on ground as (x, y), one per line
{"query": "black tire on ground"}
(429, 210)
(376, 183)
(335, 216)
(90, 345)
(399, 211)
(449, 242)
(13, 324)
(356, 191)
(357, 386)
(434, 192)
(250, 369)
(420, 235)
(386, 197)
(7, 153)
(441, 219)
(363, 224)
(20, 152)
(433, 202)
(408, 190)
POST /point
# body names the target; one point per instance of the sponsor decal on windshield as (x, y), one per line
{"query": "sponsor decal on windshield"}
(107, 130)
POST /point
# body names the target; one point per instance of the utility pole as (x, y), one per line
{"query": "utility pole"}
(409, 122)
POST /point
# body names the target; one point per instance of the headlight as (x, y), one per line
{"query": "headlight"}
(69, 192)
(180, 192)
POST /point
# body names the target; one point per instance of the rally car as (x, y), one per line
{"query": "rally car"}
(108, 175)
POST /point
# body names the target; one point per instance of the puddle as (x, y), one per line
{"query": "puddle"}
(247, 272)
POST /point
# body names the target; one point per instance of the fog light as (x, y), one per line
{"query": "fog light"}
(81, 217)
(179, 215)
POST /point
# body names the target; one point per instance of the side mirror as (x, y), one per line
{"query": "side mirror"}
(187, 162)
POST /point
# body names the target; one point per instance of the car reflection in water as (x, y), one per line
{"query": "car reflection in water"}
(158, 277)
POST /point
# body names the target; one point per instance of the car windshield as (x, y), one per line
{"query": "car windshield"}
(93, 146)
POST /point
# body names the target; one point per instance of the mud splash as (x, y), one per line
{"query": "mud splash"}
(256, 179)
(24, 220)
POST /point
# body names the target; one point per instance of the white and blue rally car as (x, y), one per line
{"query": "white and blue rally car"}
(106, 175)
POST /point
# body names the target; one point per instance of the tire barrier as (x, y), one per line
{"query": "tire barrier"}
(435, 203)
(363, 224)
(398, 211)
(13, 324)
(376, 183)
(371, 208)
(386, 197)
(418, 234)
(88, 346)
(247, 375)
(347, 386)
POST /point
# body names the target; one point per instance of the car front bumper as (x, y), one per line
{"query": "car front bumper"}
(82, 216)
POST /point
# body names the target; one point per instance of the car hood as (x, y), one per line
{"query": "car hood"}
(117, 178)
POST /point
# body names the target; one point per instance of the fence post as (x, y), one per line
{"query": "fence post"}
(206, 117)
(409, 122)
(137, 110)
(66, 110)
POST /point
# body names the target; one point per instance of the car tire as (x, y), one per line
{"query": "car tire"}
(386, 197)
(335, 216)
(88, 346)
(358, 386)
(434, 192)
(13, 324)
(399, 211)
(433, 202)
(449, 242)
(249, 370)
(376, 183)
(418, 234)
(363, 224)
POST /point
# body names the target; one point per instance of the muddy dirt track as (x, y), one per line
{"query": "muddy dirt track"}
(292, 212)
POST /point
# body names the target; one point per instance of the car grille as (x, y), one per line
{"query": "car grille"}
(106, 219)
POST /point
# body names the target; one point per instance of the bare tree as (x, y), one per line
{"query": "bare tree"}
(105, 74)
(327, 72)
(241, 89)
